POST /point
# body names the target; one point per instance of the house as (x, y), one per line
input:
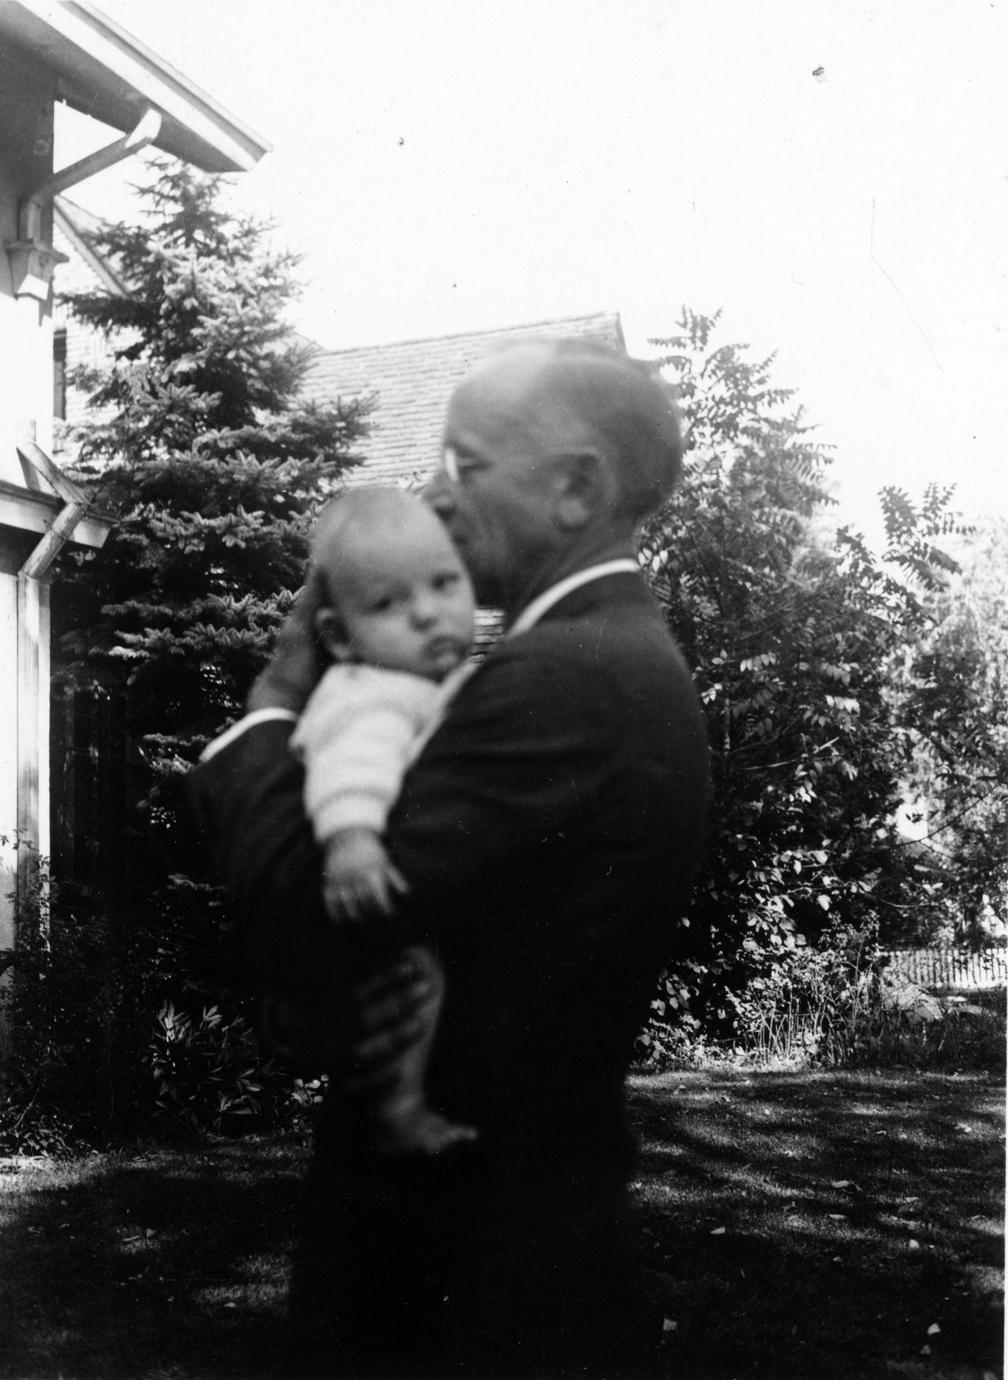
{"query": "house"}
(53, 52)
(410, 381)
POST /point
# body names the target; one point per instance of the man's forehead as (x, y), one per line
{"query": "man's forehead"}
(504, 377)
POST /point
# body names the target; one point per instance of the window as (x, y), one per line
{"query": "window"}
(59, 374)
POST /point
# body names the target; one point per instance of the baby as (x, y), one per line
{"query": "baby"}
(398, 622)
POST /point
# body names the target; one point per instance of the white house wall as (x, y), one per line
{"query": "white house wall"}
(26, 137)
(8, 758)
(107, 74)
(26, 132)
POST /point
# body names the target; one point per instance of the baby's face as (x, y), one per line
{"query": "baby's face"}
(405, 602)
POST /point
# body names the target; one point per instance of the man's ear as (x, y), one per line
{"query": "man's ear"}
(331, 634)
(580, 487)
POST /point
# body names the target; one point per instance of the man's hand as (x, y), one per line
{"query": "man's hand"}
(297, 663)
(358, 1042)
(357, 876)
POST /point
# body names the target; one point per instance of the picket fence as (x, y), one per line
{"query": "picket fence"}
(951, 968)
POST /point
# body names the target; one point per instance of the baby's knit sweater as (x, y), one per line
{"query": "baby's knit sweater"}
(356, 737)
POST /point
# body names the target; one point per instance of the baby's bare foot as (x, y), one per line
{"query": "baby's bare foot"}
(423, 1132)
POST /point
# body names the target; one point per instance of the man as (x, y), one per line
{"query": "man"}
(549, 835)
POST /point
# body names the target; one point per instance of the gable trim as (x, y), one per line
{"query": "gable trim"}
(108, 74)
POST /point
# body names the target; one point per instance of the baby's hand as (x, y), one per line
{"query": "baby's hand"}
(357, 876)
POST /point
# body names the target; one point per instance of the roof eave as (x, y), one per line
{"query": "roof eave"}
(106, 73)
(63, 217)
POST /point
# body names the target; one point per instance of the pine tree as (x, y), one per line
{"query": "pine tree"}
(212, 469)
(209, 464)
(207, 461)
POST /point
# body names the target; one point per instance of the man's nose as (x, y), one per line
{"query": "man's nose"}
(438, 494)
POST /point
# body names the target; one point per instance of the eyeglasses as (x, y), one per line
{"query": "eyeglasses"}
(449, 463)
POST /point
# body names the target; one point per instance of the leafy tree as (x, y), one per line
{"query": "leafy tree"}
(790, 640)
(952, 696)
(213, 469)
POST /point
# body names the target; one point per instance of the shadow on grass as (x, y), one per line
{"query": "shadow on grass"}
(172, 1264)
(824, 1225)
(795, 1226)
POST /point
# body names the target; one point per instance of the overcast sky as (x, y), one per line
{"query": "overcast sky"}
(831, 173)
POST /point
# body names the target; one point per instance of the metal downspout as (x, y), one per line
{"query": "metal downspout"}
(33, 631)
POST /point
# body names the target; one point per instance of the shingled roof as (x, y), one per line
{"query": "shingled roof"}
(411, 380)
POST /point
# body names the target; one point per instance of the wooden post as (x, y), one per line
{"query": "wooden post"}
(32, 729)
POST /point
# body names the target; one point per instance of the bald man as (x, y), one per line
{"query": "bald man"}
(549, 834)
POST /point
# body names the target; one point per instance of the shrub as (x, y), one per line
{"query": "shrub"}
(93, 975)
(26, 1128)
(834, 1007)
(209, 1073)
(962, 1036)
(807, 1005)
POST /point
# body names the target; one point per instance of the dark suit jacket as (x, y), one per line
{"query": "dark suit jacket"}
(550, 833)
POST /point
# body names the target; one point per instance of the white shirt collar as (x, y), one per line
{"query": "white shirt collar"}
(532, 612)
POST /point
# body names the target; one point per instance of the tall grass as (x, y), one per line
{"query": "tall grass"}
(831, 1010)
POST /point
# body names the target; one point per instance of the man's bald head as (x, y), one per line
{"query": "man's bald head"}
(554, 451)
(572, 395)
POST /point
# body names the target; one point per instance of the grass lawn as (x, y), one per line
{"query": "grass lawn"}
(845, 1225)
(795, 1225)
